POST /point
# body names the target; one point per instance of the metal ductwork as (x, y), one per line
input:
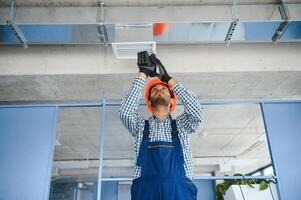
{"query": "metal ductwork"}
(128, 25)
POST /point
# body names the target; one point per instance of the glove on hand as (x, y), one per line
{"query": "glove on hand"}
(146, 65)
(164, 76)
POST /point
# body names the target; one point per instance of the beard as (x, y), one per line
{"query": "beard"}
(159, 100)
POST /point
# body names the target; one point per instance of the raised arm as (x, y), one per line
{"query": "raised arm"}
(192, 116)
(193, 112)
(129, 105)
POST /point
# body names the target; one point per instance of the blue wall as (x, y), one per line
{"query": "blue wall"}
(27, 137)
(206, 189)
(283, 124)
(109, 190)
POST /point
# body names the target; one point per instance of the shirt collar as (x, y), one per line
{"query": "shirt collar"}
(156, 118)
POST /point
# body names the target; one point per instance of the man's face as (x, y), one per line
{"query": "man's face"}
(160, 95)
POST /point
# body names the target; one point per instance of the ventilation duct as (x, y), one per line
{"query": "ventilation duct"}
(130, 29)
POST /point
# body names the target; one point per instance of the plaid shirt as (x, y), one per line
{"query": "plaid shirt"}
(187, 123)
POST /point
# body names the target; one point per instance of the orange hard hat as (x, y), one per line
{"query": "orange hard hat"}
(150, 85)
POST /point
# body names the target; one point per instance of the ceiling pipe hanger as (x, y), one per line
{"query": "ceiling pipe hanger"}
(284, 13)
(15, 28)
(233, 24)
(101, 29)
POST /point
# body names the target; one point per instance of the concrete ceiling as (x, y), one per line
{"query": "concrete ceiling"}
(232, 137)
(90, 88)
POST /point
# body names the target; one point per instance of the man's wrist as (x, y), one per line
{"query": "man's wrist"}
(172, 82)
(142, 75)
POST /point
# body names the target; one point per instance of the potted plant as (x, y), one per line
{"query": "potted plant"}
(257, 185)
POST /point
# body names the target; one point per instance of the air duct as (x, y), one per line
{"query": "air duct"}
(186, 25)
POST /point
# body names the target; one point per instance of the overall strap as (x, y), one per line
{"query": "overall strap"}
(146, 130)
(144, 143)
(176, 141)
(174, 130)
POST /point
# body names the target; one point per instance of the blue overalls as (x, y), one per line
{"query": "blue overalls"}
(162, 175)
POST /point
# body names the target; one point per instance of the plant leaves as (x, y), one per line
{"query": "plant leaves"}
(220, 191)
(227, 185)
(248, 182)
(263, 185)
(220, 188)
(219, 196)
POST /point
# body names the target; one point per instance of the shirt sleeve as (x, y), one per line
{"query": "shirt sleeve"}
(128, 111)
(192, 116)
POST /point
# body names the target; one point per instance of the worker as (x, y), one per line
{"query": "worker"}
(163, 163)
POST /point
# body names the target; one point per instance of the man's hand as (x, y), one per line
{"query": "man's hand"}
(164, 76)
(145, 65)
(148, 71)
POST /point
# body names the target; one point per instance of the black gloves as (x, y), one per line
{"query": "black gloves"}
(146, 65)
(164, 76)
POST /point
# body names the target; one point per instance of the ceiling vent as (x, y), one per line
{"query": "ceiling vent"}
(129, 50)
(132, 38)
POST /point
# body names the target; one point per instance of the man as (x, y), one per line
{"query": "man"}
(163, 164)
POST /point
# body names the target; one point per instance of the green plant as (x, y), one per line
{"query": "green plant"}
(221, 188)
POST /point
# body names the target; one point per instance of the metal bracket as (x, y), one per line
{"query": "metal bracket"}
(101, 28)
(102, 33)
(100, 12)
(233, 24)
(230, 32)
(15, 28)
(283, 26)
